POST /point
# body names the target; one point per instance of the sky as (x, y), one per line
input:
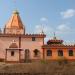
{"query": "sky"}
(48, 15)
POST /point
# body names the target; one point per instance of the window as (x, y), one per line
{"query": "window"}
(70, 52)
(36, 52)
(60, 53)
(49, 53)
(33, 38)
(12, 53)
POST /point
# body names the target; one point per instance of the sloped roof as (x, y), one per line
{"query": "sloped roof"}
(13, 45)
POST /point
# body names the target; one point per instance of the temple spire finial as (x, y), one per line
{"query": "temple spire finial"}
(15, 12)
(54, 36)
(42, 32)
(42, 29)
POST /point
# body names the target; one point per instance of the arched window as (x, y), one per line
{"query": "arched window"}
(36, 52)
(70, 52)
(49, 53)
(60, 53)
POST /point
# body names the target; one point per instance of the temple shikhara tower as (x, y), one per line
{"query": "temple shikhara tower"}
(17, 46)
(14, 25)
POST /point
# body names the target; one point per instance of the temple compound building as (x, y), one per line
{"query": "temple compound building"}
(17, 46)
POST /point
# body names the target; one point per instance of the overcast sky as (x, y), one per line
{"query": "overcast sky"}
(50, 15)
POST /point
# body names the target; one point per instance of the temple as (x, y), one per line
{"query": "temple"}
(17, 46)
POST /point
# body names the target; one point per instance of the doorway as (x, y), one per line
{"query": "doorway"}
(27, 55)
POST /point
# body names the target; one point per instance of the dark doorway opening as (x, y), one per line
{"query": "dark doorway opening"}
(27, 55)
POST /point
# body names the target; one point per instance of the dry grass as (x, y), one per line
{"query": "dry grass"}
(48, 68)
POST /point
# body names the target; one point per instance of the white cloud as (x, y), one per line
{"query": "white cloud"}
(43, 19)
(63, 27)
(68, 13)
(45, 28)
(39, 28)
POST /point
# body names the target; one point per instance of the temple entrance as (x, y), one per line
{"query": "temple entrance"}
(27, 55)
